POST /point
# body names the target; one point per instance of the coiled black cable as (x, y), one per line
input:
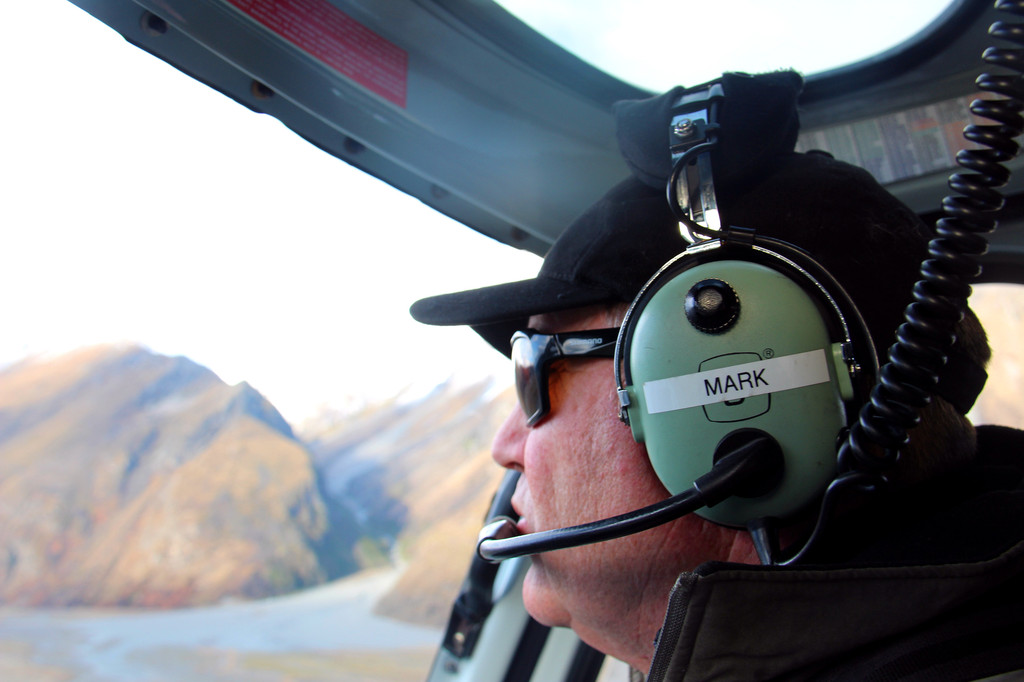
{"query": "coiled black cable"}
(908, 381)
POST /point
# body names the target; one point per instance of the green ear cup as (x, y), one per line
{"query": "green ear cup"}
(757, 354)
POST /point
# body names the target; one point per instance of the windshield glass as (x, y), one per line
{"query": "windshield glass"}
(223, 439)
(657, 44)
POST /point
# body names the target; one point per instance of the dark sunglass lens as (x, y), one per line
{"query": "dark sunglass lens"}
(527, 379)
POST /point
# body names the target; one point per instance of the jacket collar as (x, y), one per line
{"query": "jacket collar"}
(727, 621)
(921, 553)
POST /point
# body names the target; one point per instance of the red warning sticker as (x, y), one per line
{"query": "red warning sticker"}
(338, 40)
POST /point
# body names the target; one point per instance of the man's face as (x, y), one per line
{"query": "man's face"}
(581, 464)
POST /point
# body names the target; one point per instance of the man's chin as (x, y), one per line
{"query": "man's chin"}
(540, 599)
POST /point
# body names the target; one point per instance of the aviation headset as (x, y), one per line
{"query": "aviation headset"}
(742, 362)
(738, 336)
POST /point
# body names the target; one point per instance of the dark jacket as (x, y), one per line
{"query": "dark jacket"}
(936, 594)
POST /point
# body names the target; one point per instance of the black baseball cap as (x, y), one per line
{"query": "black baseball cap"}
(605, 255)
(868, 240)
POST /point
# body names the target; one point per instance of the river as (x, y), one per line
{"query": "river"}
(324, 633)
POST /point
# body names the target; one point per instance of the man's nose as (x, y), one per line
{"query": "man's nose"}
(507, 448)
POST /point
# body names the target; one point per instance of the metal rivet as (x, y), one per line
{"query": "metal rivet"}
(261, 91)
(152, 25)
(353, 146)
(684, 128)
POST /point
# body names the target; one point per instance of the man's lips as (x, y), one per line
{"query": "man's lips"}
(523, 523)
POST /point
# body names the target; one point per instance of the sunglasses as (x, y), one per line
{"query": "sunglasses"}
(532, 352)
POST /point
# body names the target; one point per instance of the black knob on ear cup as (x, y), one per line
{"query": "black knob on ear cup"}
(712, 306)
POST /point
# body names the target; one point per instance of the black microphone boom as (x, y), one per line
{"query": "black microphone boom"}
(734, 473)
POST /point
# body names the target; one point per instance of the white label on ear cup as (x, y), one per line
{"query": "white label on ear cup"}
(736, 382)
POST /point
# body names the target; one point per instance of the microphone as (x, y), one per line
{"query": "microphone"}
(743, 471)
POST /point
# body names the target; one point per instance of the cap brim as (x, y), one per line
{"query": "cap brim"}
(496, 312)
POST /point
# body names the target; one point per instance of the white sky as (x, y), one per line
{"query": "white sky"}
(139, 205)
(658, 44)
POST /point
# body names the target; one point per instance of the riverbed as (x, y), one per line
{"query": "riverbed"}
(324, 633)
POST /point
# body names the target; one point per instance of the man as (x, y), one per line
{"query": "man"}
(918, 581)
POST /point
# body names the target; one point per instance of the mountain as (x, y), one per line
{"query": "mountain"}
(132, 478)
(418, 471)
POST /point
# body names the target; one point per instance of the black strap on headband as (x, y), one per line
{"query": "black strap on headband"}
(761, 118)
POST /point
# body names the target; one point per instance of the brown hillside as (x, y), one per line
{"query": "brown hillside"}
(1001, 309)
(426, 472)
(132, 478)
